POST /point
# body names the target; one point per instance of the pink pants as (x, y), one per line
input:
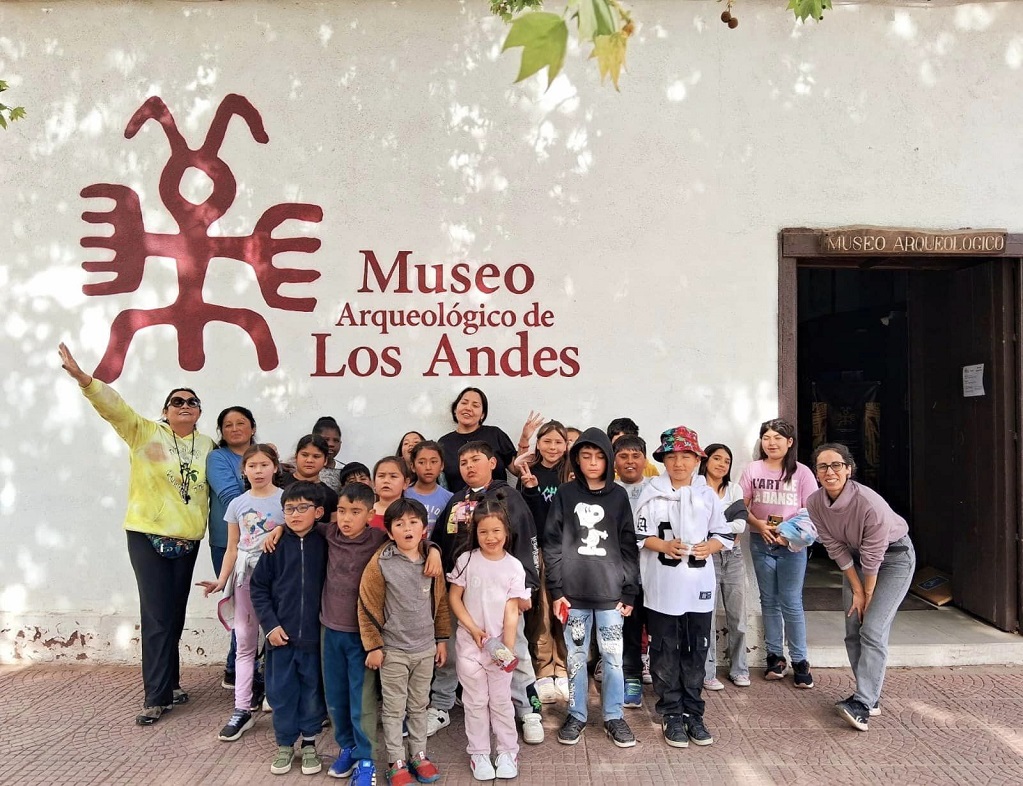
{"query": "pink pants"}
(486, 699)
(246, 631)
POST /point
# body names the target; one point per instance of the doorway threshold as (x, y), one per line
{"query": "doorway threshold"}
(937, 637)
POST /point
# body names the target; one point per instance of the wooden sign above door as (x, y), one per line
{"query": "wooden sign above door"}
(867, 241)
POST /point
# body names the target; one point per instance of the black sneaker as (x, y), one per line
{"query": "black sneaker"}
(855, 713)
(775, 667)
(258, 694)
(571, 730)
(801, 674)
(228, 680)
(179, 697)
(620, 733)
(241, 721)
(875, 711)
(696, 731)
(674, 731)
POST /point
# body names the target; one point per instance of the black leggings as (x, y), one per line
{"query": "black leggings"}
(163, 585)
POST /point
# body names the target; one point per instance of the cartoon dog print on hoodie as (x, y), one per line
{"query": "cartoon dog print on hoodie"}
(589, 516)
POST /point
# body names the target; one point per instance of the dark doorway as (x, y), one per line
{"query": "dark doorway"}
(872, 351)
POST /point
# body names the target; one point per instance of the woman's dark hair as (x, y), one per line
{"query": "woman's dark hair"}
(427, 444)
(398, 461)
(325, 423)
(246, 413)
(838, 448)
(267, 450)
(402, 441)
(496, 506)
(166, 403)
(316, 441)
(788, 431)
(563, 467)
(709, 451)
(404, 506)
(352, 468)
(483, 400)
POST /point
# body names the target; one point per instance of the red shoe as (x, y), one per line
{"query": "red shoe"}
(424, 769)
(398, 775)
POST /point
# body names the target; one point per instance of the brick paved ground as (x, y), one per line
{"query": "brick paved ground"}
(68, 724)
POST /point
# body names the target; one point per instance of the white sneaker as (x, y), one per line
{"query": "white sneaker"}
(437, 720)
(647, 677)
(598, 670)
(713, 684)
(546, 691)
(532, 728)
(481, 766)
(507, 766)
(561, 683)
(740, 680)
(266, 705)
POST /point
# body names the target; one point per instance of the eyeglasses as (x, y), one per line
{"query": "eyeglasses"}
(300, 508)
(834, 466)
(179, 402)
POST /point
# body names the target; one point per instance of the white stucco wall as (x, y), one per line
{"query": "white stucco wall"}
(649, 218)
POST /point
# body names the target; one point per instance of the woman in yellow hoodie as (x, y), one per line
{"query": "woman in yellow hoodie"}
(168, 504)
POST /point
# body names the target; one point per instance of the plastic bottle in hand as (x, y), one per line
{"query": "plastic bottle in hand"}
(500, 654)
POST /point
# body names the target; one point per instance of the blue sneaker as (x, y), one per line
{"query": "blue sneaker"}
(633, 694)
(343, 764)
(365, 773)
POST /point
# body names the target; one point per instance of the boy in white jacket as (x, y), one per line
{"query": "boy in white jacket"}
(680, 523)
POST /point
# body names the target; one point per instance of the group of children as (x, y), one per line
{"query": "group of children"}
(375, 573)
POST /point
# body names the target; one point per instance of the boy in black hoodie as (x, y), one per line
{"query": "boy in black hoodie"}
(476, 463)
(592, 563)
(285, 588)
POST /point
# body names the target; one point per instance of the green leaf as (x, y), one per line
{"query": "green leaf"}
(3, 123)
(17, 113)
(3, 85)
(610, 53)
(543, 37)
(814, 8)
(594, 19)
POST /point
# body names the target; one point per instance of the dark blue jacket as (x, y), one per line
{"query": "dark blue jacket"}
(286, 587)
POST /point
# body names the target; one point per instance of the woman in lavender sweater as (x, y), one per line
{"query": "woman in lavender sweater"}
(870, 542)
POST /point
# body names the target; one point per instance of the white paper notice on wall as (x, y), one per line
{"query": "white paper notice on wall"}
(973, 380)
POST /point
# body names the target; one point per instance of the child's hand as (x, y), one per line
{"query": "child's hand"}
(479, 636)
(277, 637)
(442, 653)
(525, 604)
(433, 568)
(272, 538)
(526, 476)
(561, 607)
(375, 659)
(209, 587)
(675, 549)
(533, 422)
(624, 610)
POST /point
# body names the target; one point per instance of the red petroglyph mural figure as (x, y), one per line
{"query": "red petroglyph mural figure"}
(192, 247)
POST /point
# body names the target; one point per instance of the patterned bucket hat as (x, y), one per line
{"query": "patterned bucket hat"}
(678, 440)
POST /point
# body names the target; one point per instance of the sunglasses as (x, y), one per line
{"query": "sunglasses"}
(179, 402)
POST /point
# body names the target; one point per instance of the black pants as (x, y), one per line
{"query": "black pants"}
(163, 585)
(632, 654)
(678, 655)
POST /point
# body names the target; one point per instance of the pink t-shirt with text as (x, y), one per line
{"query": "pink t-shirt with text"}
(769, 496)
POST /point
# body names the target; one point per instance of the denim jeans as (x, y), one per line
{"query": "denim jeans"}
(350, 690)
(867, 642)
(780, 574)
(609, 625)
(730, 575)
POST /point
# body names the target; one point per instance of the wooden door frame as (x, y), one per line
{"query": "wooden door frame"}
(801, 243)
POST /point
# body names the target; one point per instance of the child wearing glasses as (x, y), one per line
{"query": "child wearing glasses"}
(285, 590)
